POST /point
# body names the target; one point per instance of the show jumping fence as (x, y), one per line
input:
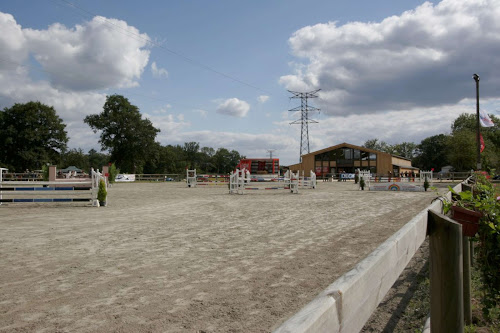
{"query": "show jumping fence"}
(81, 190)
(347, 304)
(194, 180)
(414, 184)
(241, 180)
(306, 182)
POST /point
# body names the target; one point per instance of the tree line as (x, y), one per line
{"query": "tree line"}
(32, 135)
(457, 149)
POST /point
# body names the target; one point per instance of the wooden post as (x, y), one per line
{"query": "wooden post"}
(446, 274)
(466, 266)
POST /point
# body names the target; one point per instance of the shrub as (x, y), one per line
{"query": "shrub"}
(102, 193)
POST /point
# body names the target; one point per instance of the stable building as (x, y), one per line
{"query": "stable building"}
(347, 158)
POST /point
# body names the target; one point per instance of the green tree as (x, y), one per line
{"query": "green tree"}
(432, 153)
(31, 135)
(404, 149)
(77, 158)
(225, 160)
(467, 123)
(191, 150)
(461, 150)
(206, 155)
(129, 138)
(97, 160)
(378, 145)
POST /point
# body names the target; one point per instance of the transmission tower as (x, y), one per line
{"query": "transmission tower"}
(270, 151)
(304, 121)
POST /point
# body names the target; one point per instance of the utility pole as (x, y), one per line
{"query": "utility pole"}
(304, 120)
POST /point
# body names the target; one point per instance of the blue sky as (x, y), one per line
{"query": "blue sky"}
(217, 72)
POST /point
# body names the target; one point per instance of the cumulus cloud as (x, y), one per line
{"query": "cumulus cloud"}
(90, 56)
(77, 61)
(158, 72)
(262, 98)
(233, 107)
(421, 58)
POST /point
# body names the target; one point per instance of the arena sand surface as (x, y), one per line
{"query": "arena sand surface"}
(166, 258)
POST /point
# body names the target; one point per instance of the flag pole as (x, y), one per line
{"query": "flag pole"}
(478, 134)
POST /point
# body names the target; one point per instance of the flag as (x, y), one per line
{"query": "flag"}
(482, 142)
(485, 120)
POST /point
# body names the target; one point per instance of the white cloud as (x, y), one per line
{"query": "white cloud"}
(76, 61)
(202, 113)
(263, 98)
(97, 54)
(170, 126)
(421, 58)
(162, 110)
(158, 72)
(233, 107)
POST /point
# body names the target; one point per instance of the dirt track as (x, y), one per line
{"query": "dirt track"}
(166, 258)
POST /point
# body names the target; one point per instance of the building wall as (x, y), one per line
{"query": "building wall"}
(384, 161)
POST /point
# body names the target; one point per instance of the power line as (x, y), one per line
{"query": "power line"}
(185, 58)
(304, 121)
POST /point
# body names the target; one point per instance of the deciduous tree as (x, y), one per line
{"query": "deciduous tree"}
(129, 138)
(31, 135)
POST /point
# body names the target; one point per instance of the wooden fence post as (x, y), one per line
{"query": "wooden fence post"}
(446, 274)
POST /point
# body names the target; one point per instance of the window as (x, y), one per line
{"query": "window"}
(348, 153)
(373, 157)
(357, 154)
(365, 156)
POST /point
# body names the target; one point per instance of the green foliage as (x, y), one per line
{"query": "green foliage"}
(129, 138)
(462, 150)
(77, 158)
(102, 193)
(45, 172)
(113, 172)
(362, 184)
(96, 160)
(432, 153)
(31, 135)
(426, 183)
(464, 131)
(489, 246)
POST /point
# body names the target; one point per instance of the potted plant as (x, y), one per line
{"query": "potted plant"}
(102, 193)
(463, 209)
(362, 184)
(426, 184)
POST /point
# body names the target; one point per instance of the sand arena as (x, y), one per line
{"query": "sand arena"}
(166, 258)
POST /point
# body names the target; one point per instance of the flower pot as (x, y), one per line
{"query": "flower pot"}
(102, 203)
(469, 220)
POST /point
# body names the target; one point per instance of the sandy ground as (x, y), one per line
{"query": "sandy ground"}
(166, 258)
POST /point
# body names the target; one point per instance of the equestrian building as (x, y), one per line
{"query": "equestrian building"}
(347, 158)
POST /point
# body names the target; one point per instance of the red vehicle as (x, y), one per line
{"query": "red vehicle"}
(260, 166)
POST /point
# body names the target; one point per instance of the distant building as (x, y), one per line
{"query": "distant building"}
(348, 158)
